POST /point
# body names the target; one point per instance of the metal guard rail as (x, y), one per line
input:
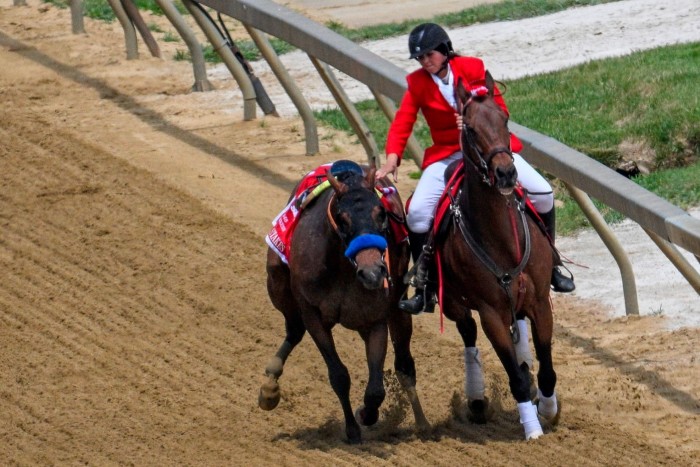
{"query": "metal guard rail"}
(575, 168)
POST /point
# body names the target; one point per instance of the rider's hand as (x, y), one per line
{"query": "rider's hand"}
(390, 167)
(460, 121)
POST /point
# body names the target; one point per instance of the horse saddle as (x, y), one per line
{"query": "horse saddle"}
(454, 174)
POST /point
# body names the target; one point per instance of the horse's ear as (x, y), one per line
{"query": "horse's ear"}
(338, 186)
(489, 82)
(370, 178)
(461, 95)
(461, 91)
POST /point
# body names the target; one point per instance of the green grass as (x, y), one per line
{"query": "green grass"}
(643, 98)
(507, 10)
(648, 98)
(100, 9)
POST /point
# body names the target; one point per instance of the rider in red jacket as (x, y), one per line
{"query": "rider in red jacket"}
(431, 91)
(424, 95)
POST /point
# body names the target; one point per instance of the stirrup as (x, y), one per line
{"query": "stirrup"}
(418, 304)
(561, 283)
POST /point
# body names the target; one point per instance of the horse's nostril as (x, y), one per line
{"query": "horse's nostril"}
(373, 277)
(506, 175)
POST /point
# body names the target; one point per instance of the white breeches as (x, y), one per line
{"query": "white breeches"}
(432, 183)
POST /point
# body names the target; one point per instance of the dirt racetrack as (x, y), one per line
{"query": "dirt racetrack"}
(134, 320)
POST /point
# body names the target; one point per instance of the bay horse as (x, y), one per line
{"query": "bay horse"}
(494, 259)
(345, 267)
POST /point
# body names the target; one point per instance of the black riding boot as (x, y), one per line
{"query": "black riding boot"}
(560, 282)
(418, 304)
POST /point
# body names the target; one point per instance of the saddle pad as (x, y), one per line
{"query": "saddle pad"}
(311, 186)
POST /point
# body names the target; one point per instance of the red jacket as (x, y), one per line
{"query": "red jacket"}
(423, 94)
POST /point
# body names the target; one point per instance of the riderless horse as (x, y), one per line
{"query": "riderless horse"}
(345, 267)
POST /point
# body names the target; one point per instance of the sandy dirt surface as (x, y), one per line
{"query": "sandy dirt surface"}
(134, 321)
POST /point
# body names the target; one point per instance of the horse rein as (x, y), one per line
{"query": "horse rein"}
(504, 278)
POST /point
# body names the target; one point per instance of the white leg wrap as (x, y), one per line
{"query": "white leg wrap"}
(474, 385)
(547, 406)
(529, 420)
(522, 348)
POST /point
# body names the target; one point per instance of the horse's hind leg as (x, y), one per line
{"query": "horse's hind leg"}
(269, 395)
(375, 348)
(474, 386)
(547, 405)
(279, 290)
(401, 330)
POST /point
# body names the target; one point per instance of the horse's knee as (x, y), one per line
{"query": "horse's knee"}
(405, 369)
(406, 379)
(467, 330)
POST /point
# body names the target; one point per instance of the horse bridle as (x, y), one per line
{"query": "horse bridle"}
(482, 168)
(384, 230)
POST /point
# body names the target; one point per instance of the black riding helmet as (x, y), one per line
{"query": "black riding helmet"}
(426, 37)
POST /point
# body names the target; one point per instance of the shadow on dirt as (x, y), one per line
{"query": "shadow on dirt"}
(651, 379)
(148, 116)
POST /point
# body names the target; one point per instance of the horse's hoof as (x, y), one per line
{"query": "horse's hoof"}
(534, 435)
(552, 421)
(354, 435)
(269, 395)
(478, 410)
(424, 427)
(362, 417)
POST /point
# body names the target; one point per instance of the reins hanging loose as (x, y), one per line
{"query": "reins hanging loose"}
(504, 278)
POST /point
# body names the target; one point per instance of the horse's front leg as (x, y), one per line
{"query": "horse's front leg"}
(523, 353)
(337, 374)
(547, 405)
(496, 327)
(375, 339)
(474, 386)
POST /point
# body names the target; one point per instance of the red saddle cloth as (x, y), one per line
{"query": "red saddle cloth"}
(280, 236)
(452, 188)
